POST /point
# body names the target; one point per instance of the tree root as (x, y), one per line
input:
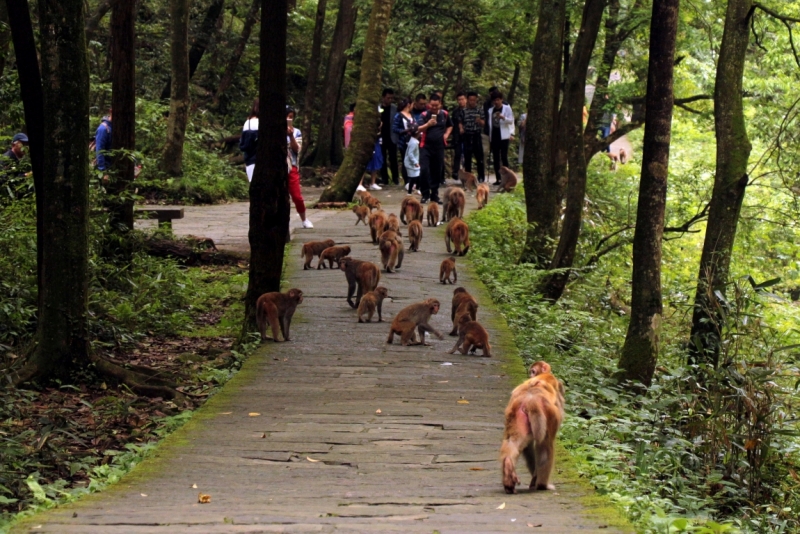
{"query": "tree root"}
(139, 382)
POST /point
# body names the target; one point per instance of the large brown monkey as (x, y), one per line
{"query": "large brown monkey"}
(508, 180)
(455, 208)
(462, 301)
(412, 319)
(392, 250)
(433, 214)
(446, 200)
(393, 223)
(410, 210)
(482, 196)
(414, 235)
(377, 225)
(370, 302)
(533, 417)
(314, 248)
(277, 309)
(468, 180)
(332, 254)
(448, 267)
(362, 212)
(365, 274)
(471, 336)
(458, 232)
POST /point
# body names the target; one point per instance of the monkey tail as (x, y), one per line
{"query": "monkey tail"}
(303, 251)
(538, 422)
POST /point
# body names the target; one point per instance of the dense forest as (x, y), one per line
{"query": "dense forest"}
(664, 288)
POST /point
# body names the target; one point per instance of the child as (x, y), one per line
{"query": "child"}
(411, 161)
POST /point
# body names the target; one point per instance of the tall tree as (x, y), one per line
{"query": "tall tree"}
(230, 69)
(313, 75)
(730, 181)
(334, 77)
(640, 351)
(5, 36)
(172, 159)
(269, 190)
(123, 102)
(572, 128)
(367, 119)
(93, 21)
(541, 183)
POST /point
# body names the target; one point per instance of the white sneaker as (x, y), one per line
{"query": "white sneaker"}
(375, 187)
(307, 224)
(417, 192)
(361, 188)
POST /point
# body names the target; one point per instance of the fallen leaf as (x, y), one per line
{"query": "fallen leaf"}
(254, 414)
(750, 444)
(513, 519)
(203, 498)
(378, 411)
(312, 460)
(443, 381)
(463, 401)
(143, 494)
(194, 486)
(447, 363)
(534, 526)
(264, 435)
(224, 413)
(477, 469)
(501, 507)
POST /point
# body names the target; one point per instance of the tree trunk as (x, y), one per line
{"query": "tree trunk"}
(5, 36)
(640, 351)
(201, 42)
(93, 22)
(334, 77)
(230, 70)
(733, 152)
(541, 183)
(313, 74)
(269, 190)
(123, 103)
(30, 86)
(172, 160)
(62, 330)
(512, 91)
(553, 286)
(367, 119)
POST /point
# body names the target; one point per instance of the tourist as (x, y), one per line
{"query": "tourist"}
(388, 147)
(435, 124)
(420, 106)
(249, 140)
(400, 124)
(501, 131)
(472, 137)
(294, 142)
(458, 132)
(348, 124)
(102, 139)
(411, 159)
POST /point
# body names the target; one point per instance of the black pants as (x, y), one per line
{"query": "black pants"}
(499, 152)
(389, 151)
(458, 151)
(431, 162)
(473, 147)
(403, 172)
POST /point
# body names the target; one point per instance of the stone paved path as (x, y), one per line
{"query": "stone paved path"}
(318, 457)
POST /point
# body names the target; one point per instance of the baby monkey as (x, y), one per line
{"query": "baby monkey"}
(370, 302)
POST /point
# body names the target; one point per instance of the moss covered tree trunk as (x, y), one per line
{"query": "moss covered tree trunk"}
(233, 63)
(172, 159)
(269, 190)
(572, 117)
(62, 330)
(733, 152)
(640, 351)
(328, 127)
(366, 121)
(312, 77)
(123, 102)
(541, 183)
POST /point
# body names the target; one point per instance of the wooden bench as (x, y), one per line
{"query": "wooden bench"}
(164, 214)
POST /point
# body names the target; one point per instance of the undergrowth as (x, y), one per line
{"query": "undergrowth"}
(684, 457)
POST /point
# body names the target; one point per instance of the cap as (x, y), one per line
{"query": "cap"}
(20, 137)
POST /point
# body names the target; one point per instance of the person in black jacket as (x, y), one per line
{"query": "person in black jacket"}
(249, 140)
(458, 132)
(436, 126)
(388, 146)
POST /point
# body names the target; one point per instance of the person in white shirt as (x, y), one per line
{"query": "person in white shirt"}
(411, 160)
(294, 142)
(501, 131)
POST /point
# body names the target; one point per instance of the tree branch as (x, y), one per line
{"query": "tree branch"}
(775, 14)
(686, 227)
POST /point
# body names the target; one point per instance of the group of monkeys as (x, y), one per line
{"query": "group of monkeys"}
(535, 411)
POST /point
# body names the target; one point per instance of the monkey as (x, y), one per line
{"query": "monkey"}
(482, 196)
(392, 251)
(538, 368)
(414, 235)
(363, 196)
(365, 274)
(458, 232)
(362, 212)
(393, 223)
(410, 210)
(508, 180)
(455, 208)
(446, 201)
(370, 302)
(623, 156)
(377, 225)
(532, 419)
(332, 254)
(314, 248)
(373, 203)
(277, 309)
(471, 336)
(414, 318)
(462, 301)
(468, 180)
(447, 267)
(433, 214)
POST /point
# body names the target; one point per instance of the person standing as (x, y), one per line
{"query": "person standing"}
(458, 132)
(248, 142)
(294, 142)
(348, 125)
(472, 136)
(485, 137)
(401, 122)
(411, 159)
(501, 131)
(420, 106)
(102, 139)
(388, 147)
(435, 124)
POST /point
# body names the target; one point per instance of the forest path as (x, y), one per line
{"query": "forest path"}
(295, 442)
